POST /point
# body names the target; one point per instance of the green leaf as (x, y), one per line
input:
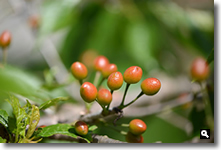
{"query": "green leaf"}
(34, 119)
(2, 140)
(64, 129)
(92, 128)
(20, 116)
(3, 118)
(52, 102)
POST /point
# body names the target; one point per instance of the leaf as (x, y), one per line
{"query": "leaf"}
(64, 129)
(2, 140)
(3, 118)
(92, 128)
(34, 119)
(20, 116)
(52, 102)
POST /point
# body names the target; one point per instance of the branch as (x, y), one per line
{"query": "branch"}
(96, 139)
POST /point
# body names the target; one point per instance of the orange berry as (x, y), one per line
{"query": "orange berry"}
(88, 92)
(100, 63)
(150, 86)
(5, 39)
(110, 68)
(199, 69)
(115, 81)
(137, 127)
(133, 74)
(81, 128)
(104, 97)
(79, 70)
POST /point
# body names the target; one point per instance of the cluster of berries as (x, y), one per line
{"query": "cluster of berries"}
(132, 75)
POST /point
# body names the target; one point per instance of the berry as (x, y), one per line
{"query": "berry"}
(137, 127)
(104, 97)
(150, 86)
(81, 128)
(79, 70)
(115, 81)
(131, 138)
(100, 63)
(199, 69)
(110, 68)
(5, 39)
(88, 92)
(133, 74)
(42, 126)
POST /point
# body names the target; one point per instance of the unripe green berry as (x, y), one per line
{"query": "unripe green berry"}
(104, 97)
(100, 63)
(79, 70)
(150, 86)
(131, 138)
(133, 74)
(110, 68)
(115, 81)
(88, 92)
(5, 39)
(137, 127)
(199, 69)
(81, 128)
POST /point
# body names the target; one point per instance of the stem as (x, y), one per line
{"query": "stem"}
(4, 56)
(102, 80)
(112, 91)
(96, 78)
(81, 82)
(123, 106)
(208, 110)
(125, 92)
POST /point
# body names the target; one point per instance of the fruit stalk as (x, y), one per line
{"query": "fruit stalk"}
(125, 92)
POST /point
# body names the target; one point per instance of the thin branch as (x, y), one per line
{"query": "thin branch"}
(96, 139)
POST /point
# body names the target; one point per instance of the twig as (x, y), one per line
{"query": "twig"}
(96, 139)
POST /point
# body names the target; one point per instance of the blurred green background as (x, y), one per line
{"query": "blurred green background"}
(160, 36)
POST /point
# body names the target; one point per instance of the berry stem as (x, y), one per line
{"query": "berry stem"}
(125, 92)
(81, 82)
(208, 110)
(138, 96)
(4, 55)
(102, 80)
(96, 78)
(112, 91)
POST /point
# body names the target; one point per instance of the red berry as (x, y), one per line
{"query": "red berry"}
(110, 68)
(115, 81)
(81, 128)
(137, 127)
(131, 138)
(79, 70)
(104, 97)
(133, 74)
(150, 86)
(42, 126)
(5, 39)
(88, 92)
(199, 69)
(100, 63)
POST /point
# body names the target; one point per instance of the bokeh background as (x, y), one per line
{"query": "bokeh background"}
(161, 36)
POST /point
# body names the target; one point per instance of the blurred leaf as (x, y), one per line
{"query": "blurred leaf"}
(52, 102)
(3, 118)
(23, 83)
(92, 128)
(2, 140)
(56, 15)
